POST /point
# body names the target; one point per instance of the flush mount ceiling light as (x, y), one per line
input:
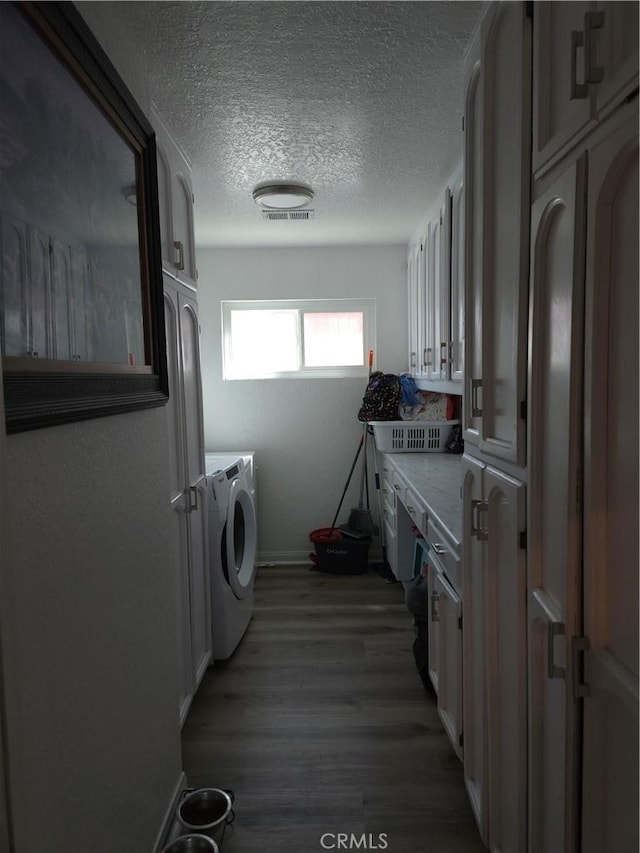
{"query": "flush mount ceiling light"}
(282, 196)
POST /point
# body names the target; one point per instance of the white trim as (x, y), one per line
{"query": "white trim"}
(170, 814)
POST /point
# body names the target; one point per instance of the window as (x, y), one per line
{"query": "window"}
(297, 338)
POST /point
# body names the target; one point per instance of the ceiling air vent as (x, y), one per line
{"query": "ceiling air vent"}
(287, 215)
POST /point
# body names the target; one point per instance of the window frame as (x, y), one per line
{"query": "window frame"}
(365, 305)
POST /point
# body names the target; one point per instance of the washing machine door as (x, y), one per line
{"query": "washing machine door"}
(239, 539)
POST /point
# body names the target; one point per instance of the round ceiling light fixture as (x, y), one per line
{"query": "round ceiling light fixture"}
(282, 196)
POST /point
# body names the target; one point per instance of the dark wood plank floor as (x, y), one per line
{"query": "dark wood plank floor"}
(320, 724)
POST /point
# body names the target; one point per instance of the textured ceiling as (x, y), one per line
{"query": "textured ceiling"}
(361, 100)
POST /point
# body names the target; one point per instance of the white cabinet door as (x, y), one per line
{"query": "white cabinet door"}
(506, 662)
(442, 300)
(473, 124)
(188, 485)
(613, 58)
(506, 81)
(175, 197)
(555, 513)
(412, 301)
(610, 745)
(430, 362)
(456, 347)
(474, 713)
(433, 633)
(178, 501)
(449, 632)
(199, 581)
(562, 102)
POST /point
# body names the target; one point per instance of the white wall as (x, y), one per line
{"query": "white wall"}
(305, 431)
(88, 615)
(88, 622)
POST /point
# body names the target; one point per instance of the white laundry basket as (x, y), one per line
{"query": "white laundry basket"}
(412, 436)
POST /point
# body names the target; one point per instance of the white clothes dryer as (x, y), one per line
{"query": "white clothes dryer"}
(233, 541)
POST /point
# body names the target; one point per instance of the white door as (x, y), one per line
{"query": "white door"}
(473, 122)
(610, 745)
(562, 101)
(456, 349)
(178, 500)
(433, 633)
(506, 69)
(613, 59)
(506, 662)
(442, 315)
(555, 509)
(412, 300)
(450, 657)
(199, 581)
(474, 714)
(183, 227)
(432, 271)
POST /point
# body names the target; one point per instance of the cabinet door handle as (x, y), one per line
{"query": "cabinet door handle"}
(426, 360)
(554, 629)
(444, 345)
(435, 597)
(481, 533)
(476, 410)
(438, 548)
(178, 247)
(413, 359)
(578, 90)
(592, 21)
(192, 493)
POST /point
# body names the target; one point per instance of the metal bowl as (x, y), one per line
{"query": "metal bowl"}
(205, 809)
(192, 844)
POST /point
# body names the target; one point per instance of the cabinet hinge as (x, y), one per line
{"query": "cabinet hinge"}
(523, 410)
(462, 122)
(528, 9)
(523, 540)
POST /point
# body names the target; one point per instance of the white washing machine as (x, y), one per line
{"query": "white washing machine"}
(233, 537)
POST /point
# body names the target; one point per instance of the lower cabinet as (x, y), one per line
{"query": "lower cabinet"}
(494, 661)
(446, 613)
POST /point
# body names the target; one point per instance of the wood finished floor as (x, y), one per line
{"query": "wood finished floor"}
(320, 724)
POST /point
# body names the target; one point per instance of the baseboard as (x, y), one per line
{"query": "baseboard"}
(283, 558)
(294, 558)
(170, 814)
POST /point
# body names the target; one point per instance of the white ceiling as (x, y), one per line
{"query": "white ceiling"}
(361, 100)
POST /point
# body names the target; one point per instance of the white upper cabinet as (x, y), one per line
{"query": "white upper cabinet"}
(412, 302)
(455, 366)
(585, 63)
(175, 197)
(613, 65)
(498, 143)
(473, 122)
(442, 290)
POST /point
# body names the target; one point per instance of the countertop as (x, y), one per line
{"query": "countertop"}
(437, 478)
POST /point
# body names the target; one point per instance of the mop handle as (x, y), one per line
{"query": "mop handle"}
(346, 485)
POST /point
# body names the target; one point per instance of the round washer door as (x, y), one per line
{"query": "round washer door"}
(239, 543)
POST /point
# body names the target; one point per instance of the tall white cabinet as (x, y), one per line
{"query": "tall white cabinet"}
(185, 418)
(496, 177)
(550, 475)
